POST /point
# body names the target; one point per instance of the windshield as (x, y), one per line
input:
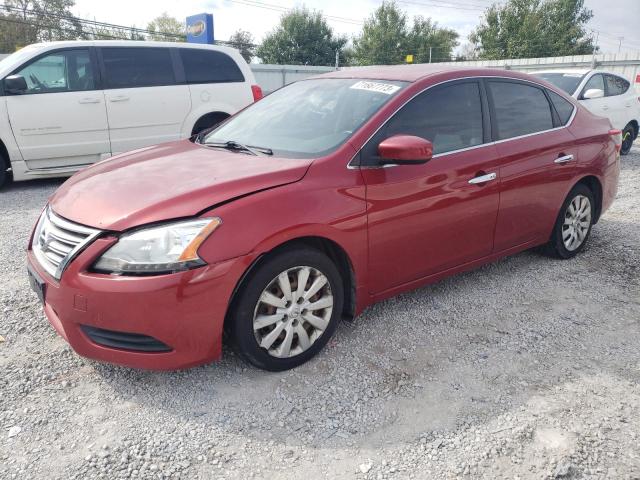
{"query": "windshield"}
(566, 81)
(309, 118)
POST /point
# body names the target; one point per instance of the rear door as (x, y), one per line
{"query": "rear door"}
(424, 219)
(61, 120)
(146, 102)
(538, 160)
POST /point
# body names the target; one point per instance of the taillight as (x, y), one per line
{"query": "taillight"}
(257, 92)
(616, 135)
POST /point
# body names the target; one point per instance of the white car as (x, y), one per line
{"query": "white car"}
(66, 105)
(602, 93)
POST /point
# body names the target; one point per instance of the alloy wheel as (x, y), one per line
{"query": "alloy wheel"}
(577, 221)
(293, 311)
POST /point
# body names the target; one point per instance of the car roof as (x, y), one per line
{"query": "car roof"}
(413, 73)
(126, 43)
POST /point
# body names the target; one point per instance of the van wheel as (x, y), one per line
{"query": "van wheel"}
(208, 121)
(288, 309)
(573, 225)
(5, 176)
(628, 136)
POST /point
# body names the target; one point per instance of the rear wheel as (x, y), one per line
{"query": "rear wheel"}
(207, 122)
(628, 136)
(288, 310)
(574, 222)
(5, 176)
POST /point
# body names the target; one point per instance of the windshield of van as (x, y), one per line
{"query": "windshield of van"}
(307, 119)
(566, 81)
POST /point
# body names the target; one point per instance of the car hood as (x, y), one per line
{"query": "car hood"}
(167, 181)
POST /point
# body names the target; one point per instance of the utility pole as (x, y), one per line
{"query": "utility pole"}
(430, 48)
(620, 43)
(337, 58)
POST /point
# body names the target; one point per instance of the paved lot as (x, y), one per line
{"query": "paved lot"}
(526, 368)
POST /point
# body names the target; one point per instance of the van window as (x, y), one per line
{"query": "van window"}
(208, 66)
(62, 71)
(449, 116)
(520, 109)
(127, 67)
(562, 106)
(616, 85)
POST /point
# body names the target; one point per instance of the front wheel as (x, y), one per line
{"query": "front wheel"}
(628, 136)
(287, 310)
(574, 222)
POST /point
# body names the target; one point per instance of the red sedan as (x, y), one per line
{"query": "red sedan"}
(324, 197)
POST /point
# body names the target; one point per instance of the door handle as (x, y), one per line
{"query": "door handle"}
(89, 100)
(563, 159)
(483, 178)
(119, 98)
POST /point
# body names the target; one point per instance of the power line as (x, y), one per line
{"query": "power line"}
(283, 9)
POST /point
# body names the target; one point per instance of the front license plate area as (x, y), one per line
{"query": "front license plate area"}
(37, 284)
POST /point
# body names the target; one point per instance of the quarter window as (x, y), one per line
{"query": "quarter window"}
(519, 109)
(562, 106)
(448, 116)
(616, 85)
(207, 66)
(64, 71)
(137, 67)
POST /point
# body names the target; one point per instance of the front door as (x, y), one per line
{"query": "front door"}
(61, 120)
(424, 219)
(145, 105)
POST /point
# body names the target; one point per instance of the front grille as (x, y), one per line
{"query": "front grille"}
(124, 340)
(57, 241)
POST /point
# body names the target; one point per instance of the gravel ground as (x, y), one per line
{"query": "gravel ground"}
(527, 368)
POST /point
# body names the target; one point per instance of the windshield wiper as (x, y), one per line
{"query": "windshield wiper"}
(233, 145)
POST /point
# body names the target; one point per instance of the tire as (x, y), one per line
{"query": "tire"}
(574, 223)
(262, 332)
(628, 136)
(207, 122)
(5, 176)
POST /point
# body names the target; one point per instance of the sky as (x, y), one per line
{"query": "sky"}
(612, 19)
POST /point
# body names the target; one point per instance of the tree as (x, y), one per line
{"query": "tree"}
(302, 38)
(387, 39)
(167, 28)
(533, 28)
(243, 41)
(23, 22)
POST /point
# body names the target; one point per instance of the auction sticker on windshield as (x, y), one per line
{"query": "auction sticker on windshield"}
(386, 88)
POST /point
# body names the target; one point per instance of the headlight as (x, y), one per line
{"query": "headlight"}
(160, 249)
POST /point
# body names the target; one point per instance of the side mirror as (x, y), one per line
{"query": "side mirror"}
(15, 85)
(593, 93)
(405, 150)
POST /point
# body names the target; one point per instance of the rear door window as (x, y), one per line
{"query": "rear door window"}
(616, 85)
(208, 66)
(127, 67)
(520, 109)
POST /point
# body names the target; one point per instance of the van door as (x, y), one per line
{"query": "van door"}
(145, 103)
(61, 120)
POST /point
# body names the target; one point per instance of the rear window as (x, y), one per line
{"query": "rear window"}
(565, 81)
(207, 66)
(616, 85)
(520, 109)
(562, 106)
(137, 67)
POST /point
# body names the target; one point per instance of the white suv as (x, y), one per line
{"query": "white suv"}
(66, 105)
(602, 93)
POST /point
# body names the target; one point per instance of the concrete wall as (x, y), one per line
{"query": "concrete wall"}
(625, 64)
(272, 77)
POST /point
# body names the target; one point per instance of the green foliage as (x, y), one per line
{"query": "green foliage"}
(243, 41)
(387, 38)
(23, 22)
(302, 38)
(533, 28)
(168, 29)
